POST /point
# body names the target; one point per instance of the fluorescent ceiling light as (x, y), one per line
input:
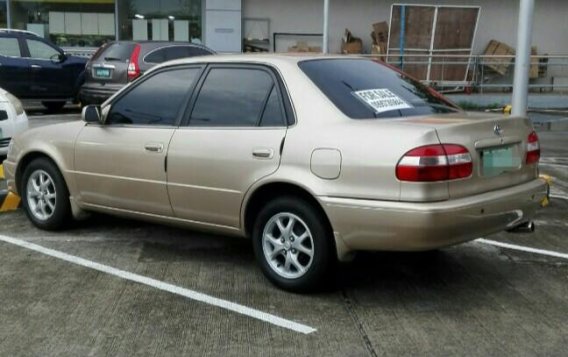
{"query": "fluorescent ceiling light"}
(138, 16)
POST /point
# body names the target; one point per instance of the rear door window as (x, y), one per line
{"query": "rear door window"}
(9, 47)
(232, 97)
(155, 101)
(116, 52)
(174, 52)
(363, 89)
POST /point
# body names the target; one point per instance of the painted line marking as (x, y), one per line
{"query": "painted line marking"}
(564, 197)
(190, 294)
(523, 249)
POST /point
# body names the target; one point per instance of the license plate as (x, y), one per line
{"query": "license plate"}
(499, 160)
(102, 72)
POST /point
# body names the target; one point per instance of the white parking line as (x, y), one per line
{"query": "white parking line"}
(564, 197)
(564, 166)
(523, 249)
(190, 294)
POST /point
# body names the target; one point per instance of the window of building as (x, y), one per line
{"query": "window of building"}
(3, 15)
(155, 101)
(232, 97)
(166, 20)
(70, 23)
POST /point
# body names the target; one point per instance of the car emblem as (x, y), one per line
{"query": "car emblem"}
(498, 130)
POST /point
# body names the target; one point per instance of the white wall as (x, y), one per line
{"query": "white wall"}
(498, 19)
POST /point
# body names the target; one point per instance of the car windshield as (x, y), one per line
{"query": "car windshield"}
(363, 89)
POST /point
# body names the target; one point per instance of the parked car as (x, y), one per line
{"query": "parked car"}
(117, 63)
(31, 67)
(13, 120)
(314, 158)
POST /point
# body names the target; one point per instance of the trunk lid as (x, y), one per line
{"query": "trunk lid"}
(497, 144)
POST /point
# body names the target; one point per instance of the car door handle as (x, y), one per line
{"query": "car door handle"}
(35, 66)
(154, 147)
(263, 153)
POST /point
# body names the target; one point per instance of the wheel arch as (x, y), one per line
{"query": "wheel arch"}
(269, 191)
(25, 160)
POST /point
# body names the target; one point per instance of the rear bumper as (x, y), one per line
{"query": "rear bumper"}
(97, 94)
(406, 226)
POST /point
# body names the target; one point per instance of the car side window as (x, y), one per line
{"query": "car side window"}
(40, 50)
(156, 56)
(232, 97)
(155, 101)
(273, 115)
(9, 47)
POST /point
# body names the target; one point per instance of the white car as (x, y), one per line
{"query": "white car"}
(13, 119)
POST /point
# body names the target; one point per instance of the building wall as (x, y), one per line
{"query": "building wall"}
(498, 19)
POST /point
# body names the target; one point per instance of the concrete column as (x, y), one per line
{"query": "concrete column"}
(523, 58)
(325, 45)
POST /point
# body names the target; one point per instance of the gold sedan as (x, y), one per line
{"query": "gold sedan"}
(314, 158)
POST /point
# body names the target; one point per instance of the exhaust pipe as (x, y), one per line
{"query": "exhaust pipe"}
(527, 227)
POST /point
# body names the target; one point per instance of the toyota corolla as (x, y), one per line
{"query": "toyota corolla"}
(313, 158)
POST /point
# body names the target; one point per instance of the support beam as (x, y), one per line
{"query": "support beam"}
(325, 44)
(8, 14)
(523, 58)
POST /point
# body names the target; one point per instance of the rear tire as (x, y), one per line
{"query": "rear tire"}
(53, 107)
(45, 197)
(294, 245)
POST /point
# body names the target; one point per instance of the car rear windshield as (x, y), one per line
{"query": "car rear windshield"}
(115, 52)
(363, 89)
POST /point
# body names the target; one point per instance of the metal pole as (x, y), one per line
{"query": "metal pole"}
(116, 19)
(8, 15)
(523, 58)
(325, 47)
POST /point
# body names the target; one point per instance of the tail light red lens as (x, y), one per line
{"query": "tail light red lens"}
(435, 163)
(133, 66)
(533, 149)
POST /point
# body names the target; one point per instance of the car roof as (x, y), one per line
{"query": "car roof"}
(18, 32)
(269, 58)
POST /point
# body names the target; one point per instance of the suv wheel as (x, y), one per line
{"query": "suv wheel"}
(293, 245)
(53, 107)
(45, 197)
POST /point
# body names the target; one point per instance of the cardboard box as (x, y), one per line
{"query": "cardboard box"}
(499, 64)
(303, 47)
(351, 44)
(380, 32)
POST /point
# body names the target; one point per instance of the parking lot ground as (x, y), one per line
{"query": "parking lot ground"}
(470, 299)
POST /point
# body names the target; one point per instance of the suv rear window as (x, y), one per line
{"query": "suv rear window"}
(363, 89)
(116, 52)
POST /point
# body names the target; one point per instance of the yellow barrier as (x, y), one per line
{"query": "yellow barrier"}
(11, 201)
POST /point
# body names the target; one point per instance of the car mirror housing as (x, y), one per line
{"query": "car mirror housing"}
(92, 114)
(58, 58)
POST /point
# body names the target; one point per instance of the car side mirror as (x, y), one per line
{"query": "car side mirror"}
(58, 58)
(92, 114)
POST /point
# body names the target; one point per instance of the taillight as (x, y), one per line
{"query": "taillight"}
(133, 67)
(533, 149)
(435, 163)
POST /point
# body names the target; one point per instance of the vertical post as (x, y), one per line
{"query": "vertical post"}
(116, 19)
(523, 58)
(325, 44)
(8, 14)
(402, 34)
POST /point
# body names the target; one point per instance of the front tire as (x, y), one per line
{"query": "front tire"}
(45, 197)
(293, 245)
